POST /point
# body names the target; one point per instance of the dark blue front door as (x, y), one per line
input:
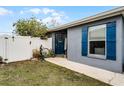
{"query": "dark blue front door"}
(59, 43)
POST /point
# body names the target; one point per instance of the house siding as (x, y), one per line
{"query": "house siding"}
(75, 46)
(123, 42)
(53, 41)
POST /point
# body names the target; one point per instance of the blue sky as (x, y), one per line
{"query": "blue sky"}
(58, 14)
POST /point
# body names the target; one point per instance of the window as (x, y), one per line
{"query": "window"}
(97, 41)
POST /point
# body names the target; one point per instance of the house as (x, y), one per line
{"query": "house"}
(96, 40)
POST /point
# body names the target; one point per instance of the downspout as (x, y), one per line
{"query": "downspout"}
(123, 40)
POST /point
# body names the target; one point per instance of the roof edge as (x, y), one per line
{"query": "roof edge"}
(99, 16)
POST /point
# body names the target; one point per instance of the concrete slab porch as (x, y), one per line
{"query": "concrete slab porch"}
(109, 77)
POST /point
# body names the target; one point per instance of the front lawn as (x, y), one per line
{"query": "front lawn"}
(42, 73)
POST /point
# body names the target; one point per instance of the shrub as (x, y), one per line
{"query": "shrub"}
(48, 53)
(36, 54)
(45, 52)
(51, 53)
(1, 59)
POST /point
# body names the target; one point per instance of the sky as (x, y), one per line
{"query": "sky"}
(48, 14)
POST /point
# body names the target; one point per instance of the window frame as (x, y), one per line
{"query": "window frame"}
(97, 55)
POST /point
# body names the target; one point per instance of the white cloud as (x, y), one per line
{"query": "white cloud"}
(21, 12)
(55, 18)
(47, 10)
(35, 10)
(52, 16)
(55, 14)
(52, 21)
(4, 11)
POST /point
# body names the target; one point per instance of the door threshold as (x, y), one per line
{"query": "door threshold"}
(61, 55)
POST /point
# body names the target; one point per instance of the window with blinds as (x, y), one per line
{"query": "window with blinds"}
(97, 41)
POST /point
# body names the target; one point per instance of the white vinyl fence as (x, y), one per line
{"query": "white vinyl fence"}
(19, 48)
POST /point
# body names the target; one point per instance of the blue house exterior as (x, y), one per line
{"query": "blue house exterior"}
(96, 41)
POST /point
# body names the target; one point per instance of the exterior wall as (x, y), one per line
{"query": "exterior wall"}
(19, 48)
(123, 43)
(53, 42)
(75, 42)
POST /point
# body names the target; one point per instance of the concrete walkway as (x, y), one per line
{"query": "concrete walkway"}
(109, 77)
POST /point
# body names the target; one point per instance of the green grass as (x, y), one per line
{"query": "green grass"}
(28, 73)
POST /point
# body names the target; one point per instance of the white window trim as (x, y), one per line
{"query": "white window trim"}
(96, 55)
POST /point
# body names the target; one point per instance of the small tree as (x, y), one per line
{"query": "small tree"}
(30, 27)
